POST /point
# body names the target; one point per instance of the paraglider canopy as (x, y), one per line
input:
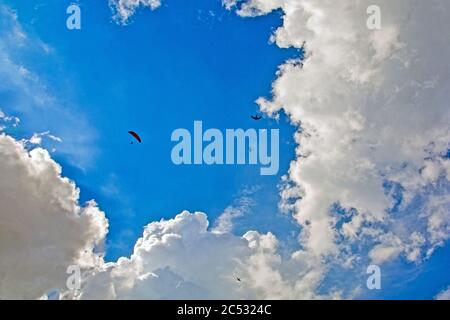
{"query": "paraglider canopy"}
(135, 135)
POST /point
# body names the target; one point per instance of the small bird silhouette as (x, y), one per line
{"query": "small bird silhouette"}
(256, 117)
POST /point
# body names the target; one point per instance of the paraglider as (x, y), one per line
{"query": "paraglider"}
(136, 136)
(256, 117)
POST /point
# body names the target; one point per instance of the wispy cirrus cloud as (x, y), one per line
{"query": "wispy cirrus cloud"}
(25, 93)
(241, 206)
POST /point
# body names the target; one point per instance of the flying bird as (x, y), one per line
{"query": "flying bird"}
(237, 278)
(136, 136)
(256, 117)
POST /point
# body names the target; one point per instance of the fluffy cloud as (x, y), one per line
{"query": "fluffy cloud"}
(371, 178)
(443, 295)
(372, 110)
(373, 137)
(181, 259)
(43, 229)
(124, 9)
(173, 259)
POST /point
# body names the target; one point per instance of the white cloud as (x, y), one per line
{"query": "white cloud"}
(443, 295)
(225, 222)
(37, 138)
(229, 4)
(124, 9)
(43, 228)
(174, 259)
(381, 253)
(373, 108)
(181, 258)
(8, 121)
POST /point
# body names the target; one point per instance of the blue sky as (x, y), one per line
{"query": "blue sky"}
(186, 61)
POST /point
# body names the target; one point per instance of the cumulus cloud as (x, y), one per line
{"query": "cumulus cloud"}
(43, 228)
(443, 295)
(124, 9)
(371, 177)
(181, 258)
(373, 118)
